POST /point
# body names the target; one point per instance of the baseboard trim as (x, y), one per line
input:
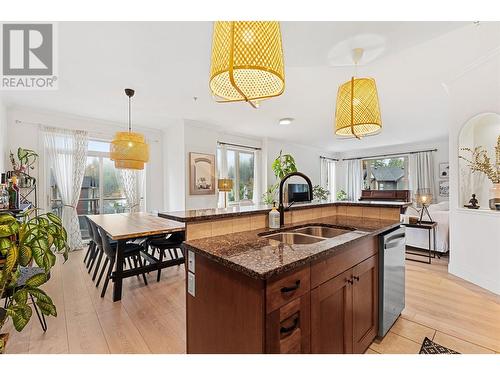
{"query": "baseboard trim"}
(488, 284)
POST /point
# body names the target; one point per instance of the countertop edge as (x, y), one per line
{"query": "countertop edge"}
(208, 217)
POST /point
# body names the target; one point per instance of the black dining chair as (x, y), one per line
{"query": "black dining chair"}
(92, 244)
(132, 252)
(172, 244)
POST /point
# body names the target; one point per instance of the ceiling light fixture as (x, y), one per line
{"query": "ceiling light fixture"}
(286, 121)
(247, 61)
(357, 113)
(129, 150)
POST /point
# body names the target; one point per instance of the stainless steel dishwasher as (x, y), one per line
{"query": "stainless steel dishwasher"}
(391, 278)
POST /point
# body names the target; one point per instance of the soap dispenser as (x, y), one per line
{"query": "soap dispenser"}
(274, 217)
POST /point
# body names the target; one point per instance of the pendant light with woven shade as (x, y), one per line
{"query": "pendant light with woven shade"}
(247, 61)
(129, 150)
(357, 113)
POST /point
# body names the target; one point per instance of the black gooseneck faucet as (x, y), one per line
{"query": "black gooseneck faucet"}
(281, 208)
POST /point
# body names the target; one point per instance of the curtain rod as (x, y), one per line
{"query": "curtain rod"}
(57, 127)
(394, 154)
(90, 132)
(236, 145)
(327, 158)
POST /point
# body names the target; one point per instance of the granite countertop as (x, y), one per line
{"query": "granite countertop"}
(211, 213)
(262, 258)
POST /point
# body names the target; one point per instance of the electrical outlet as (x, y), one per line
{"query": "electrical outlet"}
(191, 261)
(191, 284)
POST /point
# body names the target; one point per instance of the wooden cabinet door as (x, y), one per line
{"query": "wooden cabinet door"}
(331, 315)
(288, 328)
(364, 304)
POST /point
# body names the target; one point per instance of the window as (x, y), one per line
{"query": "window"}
(240, 168)
(327, 175)
(385, 174)
(101, 192)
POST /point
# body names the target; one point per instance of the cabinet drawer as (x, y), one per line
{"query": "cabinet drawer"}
(288, 328)
(285, 288)
(346, 258)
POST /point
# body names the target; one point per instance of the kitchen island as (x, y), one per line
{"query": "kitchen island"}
(313, 290)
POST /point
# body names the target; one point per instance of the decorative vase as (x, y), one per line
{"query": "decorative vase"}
(494, 196)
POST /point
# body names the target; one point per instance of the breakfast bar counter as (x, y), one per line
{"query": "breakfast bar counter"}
(254, 254)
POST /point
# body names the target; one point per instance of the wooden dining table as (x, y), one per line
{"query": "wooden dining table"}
(125, 227)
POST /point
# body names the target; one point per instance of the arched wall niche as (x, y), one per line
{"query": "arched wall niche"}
(481, 130)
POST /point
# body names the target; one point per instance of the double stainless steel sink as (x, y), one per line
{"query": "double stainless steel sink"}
(308, 235)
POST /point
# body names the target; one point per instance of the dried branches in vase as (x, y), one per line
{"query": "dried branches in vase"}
(481, 162)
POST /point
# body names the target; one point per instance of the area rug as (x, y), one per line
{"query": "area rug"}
(430, 347)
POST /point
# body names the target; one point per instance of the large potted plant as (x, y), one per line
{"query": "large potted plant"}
(481, 162)
(282, 165)
(32, 239)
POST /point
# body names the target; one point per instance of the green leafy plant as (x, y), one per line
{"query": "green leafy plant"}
(320, 193)
(35, 238)
(284, 164)
(270, 195)
(341, 195)
(26, 160)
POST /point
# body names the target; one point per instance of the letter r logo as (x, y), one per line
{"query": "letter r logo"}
(27, 49)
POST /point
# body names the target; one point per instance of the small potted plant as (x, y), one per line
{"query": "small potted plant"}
(21, 169)
(341, 195)
(319, 193)
(34, 239)
(481, 162)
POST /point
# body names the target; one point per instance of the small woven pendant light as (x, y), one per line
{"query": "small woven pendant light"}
(357, 113)
(129, 150)
(247, 61)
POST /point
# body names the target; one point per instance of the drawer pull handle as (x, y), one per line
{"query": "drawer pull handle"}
(356, 278)
(291, 328)
(349, 281)
(288, 289)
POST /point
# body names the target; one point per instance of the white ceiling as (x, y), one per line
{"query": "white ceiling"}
(167, 63)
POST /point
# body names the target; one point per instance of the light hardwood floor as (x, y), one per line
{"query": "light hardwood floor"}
(150, 319)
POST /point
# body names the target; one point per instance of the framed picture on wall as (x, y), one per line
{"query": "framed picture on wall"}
(201, 174)
(444, 170)
(444, 188)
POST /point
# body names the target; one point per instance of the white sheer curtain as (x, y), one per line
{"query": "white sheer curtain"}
(67, 155)
(327, 176)
(354, 179)
(222, 172)
(132, 182)
(422, 172)
(257, 170)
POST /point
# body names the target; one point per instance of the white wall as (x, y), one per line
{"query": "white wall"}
(306, 158)
(182, 138)
(23, 131)
(474, 236)
(440, 156)
(174, 167)
(4, 160)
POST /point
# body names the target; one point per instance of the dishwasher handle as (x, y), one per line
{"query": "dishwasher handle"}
(395, 241)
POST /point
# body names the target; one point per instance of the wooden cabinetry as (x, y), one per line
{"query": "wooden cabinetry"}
(331, 316)
(364, 304)
(344, 311)
(288, 328)
(330, 306)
